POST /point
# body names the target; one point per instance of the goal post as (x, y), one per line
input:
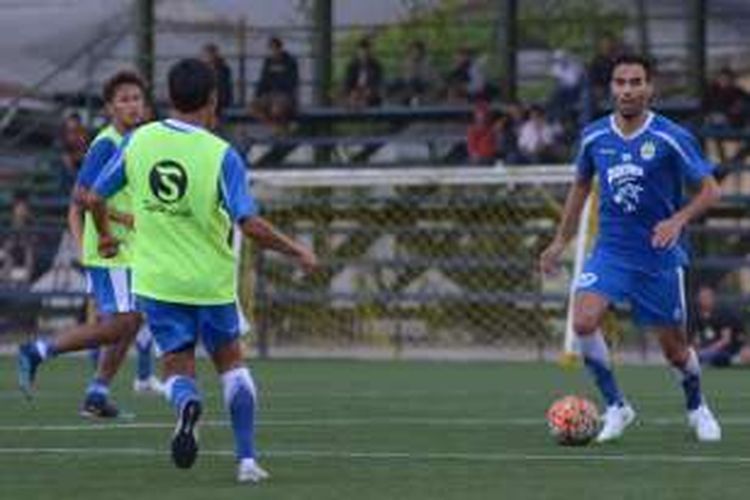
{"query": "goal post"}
(412, 258)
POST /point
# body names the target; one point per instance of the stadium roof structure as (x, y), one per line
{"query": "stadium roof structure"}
(73, 44)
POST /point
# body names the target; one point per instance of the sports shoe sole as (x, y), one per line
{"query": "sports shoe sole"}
(184, 441)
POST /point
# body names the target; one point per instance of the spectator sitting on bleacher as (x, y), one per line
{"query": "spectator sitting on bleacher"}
(74, 141)
(600, 68)
(568, 73)
(417, 78)
(466, 80)
(718, 332)
(17, 251)
(725, 103)
(481, 137)
(276, 93)
(224, 84)
(537, 138)
(364, 77)
(508, 127)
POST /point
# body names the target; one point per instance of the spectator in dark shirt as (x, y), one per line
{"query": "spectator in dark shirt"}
(600, 68)
(276, 93)
(417, 76)
(18, 250)
(718, 333)
(224, 84)
(364, 77)
(481, 137)
(458, 79)
(725, 102)
(73, 142)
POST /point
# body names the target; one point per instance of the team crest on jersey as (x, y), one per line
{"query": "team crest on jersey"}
(648, 150)
(586, 279)
(625, 182)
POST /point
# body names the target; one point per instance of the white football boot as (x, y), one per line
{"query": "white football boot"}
(705, 425)
(248, 471)
(150, 385)
(616, 419)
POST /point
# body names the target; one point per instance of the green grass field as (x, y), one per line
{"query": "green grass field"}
(367, 430)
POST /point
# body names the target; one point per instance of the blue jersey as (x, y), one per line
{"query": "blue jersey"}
(641, 180)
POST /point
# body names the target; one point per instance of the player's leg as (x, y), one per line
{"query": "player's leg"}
(687, 368)
(145, 381)
(174, 328)
(220, 331)
(599, 284)
(660, 305)
(114, 301)
(110, 288)
(589, 310)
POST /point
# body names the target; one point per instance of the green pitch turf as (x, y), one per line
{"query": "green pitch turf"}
(376, 430)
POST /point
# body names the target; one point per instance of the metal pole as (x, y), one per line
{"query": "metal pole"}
(643, 35)
(242, 62)
(144, 35)
(697, 46)
(322, 51)
(507, 46)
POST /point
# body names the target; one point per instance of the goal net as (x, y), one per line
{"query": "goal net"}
(424, 257)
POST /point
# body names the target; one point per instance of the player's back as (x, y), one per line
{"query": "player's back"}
(182, 250)
(641, 177)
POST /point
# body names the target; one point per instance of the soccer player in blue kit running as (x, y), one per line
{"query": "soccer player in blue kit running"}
(642, 160)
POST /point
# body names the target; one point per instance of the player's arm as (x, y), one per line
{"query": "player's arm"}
(75, 217)
(109, 182)
(695, 168)
(244, 211)
(268, 236)
(667, 232)
(571, 215)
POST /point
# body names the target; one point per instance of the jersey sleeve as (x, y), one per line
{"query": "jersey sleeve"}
(692, 163)
(235, 196)
(96, 158)
(584, 163)
(112, 177)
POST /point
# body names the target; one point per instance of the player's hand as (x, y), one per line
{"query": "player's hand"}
(308, 260)
(123, 218)
(549, 261)
(667, 232)
(108, 246)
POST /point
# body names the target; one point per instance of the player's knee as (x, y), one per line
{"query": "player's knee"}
(585, 326)
(129, 324)
(676, 355)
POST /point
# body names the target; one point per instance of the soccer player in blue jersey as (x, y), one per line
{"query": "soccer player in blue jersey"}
(642, 160)
(109, 281)
(189, 191)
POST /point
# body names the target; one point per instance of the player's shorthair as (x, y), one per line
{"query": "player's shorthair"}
(124, 77)
(631, 58)
(191, 82)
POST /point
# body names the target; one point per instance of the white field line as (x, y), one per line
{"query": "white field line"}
(346, 422)
(405, 456)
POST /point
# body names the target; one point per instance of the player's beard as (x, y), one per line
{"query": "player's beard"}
(631, 111)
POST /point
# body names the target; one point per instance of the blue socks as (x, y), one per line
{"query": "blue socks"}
(179, 390)
(240, 400)
(596, 358)
(143, 343)
(98, 386)
(690, 379)
(45, 349)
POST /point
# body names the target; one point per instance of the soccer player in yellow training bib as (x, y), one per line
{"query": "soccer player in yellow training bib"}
(188, 188)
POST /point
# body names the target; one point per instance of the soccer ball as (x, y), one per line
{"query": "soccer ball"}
(573, 421)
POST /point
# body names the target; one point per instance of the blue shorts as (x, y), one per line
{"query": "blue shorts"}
(110, 287)
(179, 326)
(657, 297)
